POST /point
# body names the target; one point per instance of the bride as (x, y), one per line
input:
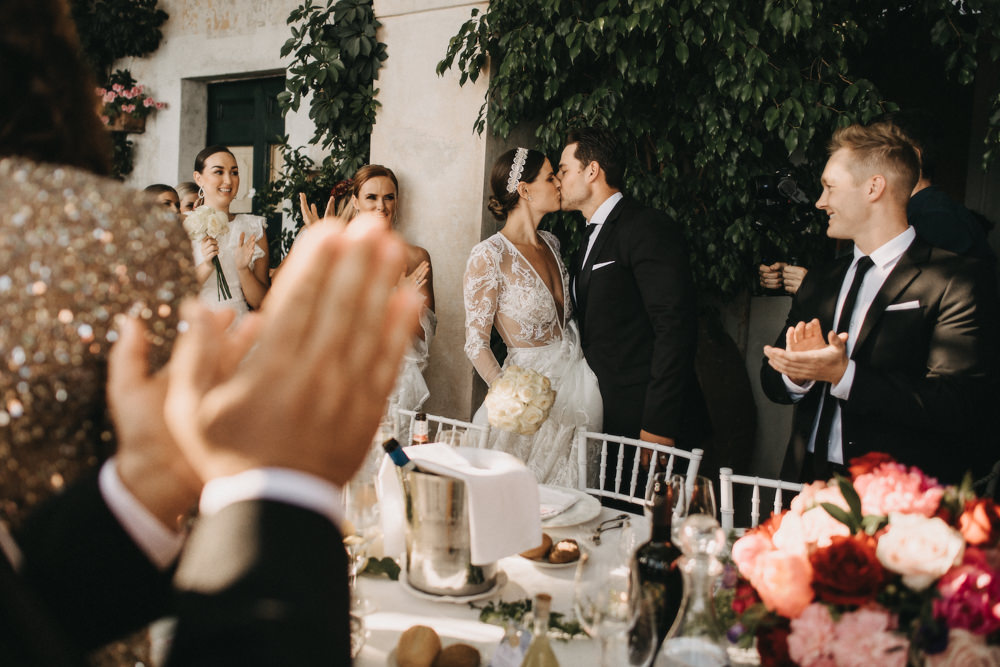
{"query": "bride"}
(516, 281)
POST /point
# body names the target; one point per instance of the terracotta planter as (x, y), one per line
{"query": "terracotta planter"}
(127, 123)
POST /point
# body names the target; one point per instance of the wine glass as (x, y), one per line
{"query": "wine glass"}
(702, 499)
(607, 600)
(362, 513)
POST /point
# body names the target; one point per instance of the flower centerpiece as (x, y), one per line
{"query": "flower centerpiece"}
(886, 568)
(124, 104)
(520, 400)
(206, 221)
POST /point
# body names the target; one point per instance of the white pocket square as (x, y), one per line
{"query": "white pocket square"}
(906, 305)
(602, 265)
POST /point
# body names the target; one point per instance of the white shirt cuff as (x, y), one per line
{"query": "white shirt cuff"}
(842, 389)
(796, 391)
(280, 484)
(160, 544)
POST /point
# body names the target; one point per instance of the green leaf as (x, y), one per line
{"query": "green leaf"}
(386, 566)
(842, 516)
(681, 51)
(850, 495)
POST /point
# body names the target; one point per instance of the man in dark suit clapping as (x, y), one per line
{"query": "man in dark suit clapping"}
(634, 298)
(892, 348)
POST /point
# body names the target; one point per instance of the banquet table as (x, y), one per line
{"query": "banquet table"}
(396, 609)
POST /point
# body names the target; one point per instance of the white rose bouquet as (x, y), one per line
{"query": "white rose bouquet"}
(520, 400)
(206, 221)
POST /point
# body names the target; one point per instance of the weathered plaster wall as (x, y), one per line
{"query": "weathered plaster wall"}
(424, 133)
(204, 41)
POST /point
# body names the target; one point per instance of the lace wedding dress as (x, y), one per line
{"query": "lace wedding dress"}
(229, 243)
(503, 289)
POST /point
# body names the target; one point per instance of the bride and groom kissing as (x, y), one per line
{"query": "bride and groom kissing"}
(616, 338)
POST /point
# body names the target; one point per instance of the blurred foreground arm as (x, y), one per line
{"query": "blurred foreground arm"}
(299, 386)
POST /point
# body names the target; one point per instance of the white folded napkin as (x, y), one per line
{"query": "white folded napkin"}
(553, 501)
(502, 492)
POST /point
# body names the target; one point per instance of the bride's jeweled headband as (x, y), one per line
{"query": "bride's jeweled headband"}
(516, 169)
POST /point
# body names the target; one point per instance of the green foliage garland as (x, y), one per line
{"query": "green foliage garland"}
(710, 98)
(336, 59)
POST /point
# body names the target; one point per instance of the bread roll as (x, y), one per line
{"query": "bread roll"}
(564, 551)
(418, 647)
(458, 655)
(540, 552)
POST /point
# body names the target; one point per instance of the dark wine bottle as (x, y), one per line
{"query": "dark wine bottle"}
(661, 580)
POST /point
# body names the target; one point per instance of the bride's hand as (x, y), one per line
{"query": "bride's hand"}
(418, 277)
(245, 251)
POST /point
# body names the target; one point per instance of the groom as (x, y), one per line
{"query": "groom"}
(634, 299)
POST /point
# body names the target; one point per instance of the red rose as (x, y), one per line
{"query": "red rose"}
(980, 522)
(863, 465)
(772, 644)
(745, 596)
(847, 572)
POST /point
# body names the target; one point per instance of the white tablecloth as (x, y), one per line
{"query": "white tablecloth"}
(396, 609)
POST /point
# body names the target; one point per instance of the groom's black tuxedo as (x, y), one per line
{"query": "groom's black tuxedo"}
(638, 322)
(259, 583)
(923, 389)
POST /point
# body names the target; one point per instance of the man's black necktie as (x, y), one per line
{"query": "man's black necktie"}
(822, 450)
(580, 284)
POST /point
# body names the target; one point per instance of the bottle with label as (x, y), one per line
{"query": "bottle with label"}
(419, 435)
(398, 456)
(656, 564)
(539, 652)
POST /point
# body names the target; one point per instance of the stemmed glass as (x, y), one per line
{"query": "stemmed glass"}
(607, 601)
(362, 512)
(702, 500)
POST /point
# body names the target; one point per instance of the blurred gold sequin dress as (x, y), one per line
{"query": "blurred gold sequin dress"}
(76, 251)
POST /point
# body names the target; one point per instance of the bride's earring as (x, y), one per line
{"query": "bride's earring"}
(201, 193)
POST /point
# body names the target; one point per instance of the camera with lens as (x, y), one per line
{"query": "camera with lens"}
(783, 216)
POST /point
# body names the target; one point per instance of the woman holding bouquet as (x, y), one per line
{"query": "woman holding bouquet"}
(230, 250)
(516, 281)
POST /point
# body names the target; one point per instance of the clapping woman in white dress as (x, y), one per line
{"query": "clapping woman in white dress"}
(375, 188)
(516, 281)
(240, 245)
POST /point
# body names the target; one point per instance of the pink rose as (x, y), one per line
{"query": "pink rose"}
(920, 549)
(117, 87)
(866, 637)
(806, 498)
(965, 649)
(161, 105)
(980, 522)
(810, 642)
(892, 487)
(784, 582)
(747, 549)
(868, 462)
(970, 595)
(128, 108)
(790, 536)
(109, 97)
(148, 102)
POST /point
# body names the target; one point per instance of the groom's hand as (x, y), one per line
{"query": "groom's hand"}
(301, 385)
(649, 437)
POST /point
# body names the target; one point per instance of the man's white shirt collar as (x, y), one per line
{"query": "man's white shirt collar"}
(604, 210)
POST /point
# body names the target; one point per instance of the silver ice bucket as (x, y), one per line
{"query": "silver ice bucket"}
(438, 556)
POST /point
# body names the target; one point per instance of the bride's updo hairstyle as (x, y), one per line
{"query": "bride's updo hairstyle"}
(207, 152)
(514, 166)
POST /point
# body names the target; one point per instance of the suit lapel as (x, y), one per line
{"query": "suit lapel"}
(583, 280)
(902, 275)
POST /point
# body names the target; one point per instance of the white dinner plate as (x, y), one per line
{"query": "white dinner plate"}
(585, 508)
(497, 587)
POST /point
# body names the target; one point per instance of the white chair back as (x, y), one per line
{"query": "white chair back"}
(444, 429)
(726, 507)
(614, 465)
